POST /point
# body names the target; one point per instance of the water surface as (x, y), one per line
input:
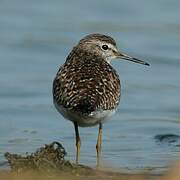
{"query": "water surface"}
(35, 38)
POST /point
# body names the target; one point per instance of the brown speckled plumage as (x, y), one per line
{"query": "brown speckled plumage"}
(86, 83)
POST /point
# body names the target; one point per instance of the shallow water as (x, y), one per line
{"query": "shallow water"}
(35, 38)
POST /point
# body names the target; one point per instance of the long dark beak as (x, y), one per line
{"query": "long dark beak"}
(129, 58)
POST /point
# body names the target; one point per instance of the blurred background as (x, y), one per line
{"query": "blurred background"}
(35, 39)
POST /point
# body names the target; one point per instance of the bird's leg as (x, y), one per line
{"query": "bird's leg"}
(98, 145)
(78, 142)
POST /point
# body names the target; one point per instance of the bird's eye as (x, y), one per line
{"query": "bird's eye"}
(105, 47)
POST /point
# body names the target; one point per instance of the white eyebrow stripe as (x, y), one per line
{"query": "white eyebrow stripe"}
(111, 46)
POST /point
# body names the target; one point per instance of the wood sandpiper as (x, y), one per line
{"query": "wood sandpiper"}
(86, 89)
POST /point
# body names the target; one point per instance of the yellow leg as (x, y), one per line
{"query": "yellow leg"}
(98, 145)
(78, 142)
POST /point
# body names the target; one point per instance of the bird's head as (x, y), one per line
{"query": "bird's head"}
(105, 46)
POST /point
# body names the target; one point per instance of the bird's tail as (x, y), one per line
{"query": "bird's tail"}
(85, 106)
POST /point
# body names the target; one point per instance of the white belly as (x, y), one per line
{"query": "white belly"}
(85, 120)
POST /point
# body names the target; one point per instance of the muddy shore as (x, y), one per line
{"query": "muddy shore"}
(49, 162)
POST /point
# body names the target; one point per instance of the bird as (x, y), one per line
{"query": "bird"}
(86, 88)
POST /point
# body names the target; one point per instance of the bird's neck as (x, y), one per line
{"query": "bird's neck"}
(83, 53)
